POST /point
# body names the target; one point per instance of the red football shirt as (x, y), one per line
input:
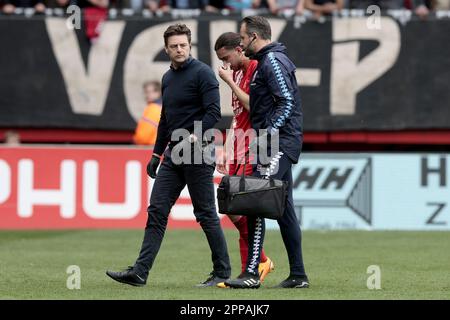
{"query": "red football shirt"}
(241, 118)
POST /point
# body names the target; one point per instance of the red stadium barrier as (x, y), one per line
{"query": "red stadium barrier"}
(55, 187)
(406, 137)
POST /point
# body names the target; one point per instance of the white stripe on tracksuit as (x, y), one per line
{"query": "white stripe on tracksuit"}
(256, 245)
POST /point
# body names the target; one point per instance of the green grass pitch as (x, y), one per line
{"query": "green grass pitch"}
(414, 265)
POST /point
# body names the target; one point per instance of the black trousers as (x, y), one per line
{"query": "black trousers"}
(169, 183)
(280, 168)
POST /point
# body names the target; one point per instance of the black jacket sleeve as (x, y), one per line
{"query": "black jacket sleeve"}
(162, 137)
(209, 91)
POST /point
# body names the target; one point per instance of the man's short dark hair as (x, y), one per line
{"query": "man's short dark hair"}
(228, 40)
(176, 30)
(258, 25)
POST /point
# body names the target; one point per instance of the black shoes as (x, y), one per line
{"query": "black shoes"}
(294, 282)
(244, 281)
(128, 276)
(212, 281)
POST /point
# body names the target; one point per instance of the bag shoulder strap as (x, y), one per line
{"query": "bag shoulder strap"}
(245, 163)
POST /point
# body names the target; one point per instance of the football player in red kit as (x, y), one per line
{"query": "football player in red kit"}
(237, 72)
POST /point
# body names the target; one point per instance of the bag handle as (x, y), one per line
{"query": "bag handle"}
(245, 162)
(242, 180)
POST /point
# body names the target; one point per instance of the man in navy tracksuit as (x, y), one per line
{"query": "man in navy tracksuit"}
(190, 93)
(275, 107)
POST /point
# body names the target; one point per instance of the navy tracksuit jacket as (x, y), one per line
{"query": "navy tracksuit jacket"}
(275, 100)
(275, 106)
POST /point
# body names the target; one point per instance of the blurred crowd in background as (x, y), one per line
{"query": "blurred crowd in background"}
(317, 7)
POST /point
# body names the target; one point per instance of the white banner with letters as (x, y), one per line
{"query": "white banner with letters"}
(372, 191)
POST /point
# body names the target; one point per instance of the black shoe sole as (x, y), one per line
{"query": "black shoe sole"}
(294, 287)
(300, 287)
(242, 287)
(209, 285)
(134, 284)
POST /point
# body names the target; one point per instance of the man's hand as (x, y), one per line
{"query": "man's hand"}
(192, 138)
(226, 73)
(222, 167)
(186, 144)
(152, 166)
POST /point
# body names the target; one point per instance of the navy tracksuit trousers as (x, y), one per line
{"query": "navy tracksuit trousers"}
(280, 168)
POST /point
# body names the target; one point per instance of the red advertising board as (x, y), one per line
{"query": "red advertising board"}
(57, 187)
